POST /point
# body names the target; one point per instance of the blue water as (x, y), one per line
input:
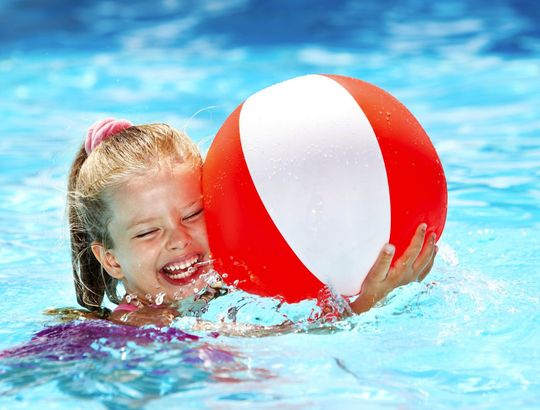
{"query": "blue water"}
(467, 337)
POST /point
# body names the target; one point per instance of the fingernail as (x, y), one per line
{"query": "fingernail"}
(389, 249)
(423, 227)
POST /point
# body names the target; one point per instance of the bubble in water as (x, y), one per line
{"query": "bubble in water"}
(131, 297)
(159, 298)
(213, 279)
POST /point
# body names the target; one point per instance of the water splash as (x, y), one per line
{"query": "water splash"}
(159, 298)
(197, 265)
(197, 303)
(132, 298)
(332, 306)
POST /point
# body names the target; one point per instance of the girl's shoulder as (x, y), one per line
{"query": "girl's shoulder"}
(130, 314)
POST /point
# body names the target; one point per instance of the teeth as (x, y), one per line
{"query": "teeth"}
(171, 269)
(180, 275)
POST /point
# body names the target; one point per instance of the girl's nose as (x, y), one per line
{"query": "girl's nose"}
(179, 239)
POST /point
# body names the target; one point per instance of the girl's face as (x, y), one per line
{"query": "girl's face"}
(159, 234)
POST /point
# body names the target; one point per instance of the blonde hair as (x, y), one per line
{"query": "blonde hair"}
(93, 177)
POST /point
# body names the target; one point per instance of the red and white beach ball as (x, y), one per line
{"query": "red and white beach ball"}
(307, 179)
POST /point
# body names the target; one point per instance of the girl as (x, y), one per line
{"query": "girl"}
(136, 216)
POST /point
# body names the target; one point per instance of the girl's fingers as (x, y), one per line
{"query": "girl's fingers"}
(426, 255)
(427, 269)
(412, 252)
(380, 268)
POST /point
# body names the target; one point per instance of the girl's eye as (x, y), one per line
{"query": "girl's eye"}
(194, 215)
(144, 234)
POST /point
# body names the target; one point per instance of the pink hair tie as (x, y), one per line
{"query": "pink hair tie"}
(103, 129)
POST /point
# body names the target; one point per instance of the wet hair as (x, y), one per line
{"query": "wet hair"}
(92, 180)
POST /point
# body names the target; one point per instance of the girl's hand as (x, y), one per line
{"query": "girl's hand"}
(413, 265)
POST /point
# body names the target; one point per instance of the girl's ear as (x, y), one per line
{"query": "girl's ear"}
(107, 259)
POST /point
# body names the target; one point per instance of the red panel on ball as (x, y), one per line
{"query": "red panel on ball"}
(416, 178)
(243, 238)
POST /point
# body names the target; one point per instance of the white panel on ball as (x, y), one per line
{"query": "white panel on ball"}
(317, 166)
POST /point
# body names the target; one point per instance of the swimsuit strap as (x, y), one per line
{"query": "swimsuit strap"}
(125, 307)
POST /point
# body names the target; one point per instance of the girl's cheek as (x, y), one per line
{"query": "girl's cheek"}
(203, 240)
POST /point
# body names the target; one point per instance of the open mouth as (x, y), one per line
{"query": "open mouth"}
(184, 270)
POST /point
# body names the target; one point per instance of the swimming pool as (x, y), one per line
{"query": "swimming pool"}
(468, 337)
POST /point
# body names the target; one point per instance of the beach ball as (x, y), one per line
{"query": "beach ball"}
(307, 180)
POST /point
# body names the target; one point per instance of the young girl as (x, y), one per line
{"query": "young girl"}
(136, 216)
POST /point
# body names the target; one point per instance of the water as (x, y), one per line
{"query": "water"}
(465, 338)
